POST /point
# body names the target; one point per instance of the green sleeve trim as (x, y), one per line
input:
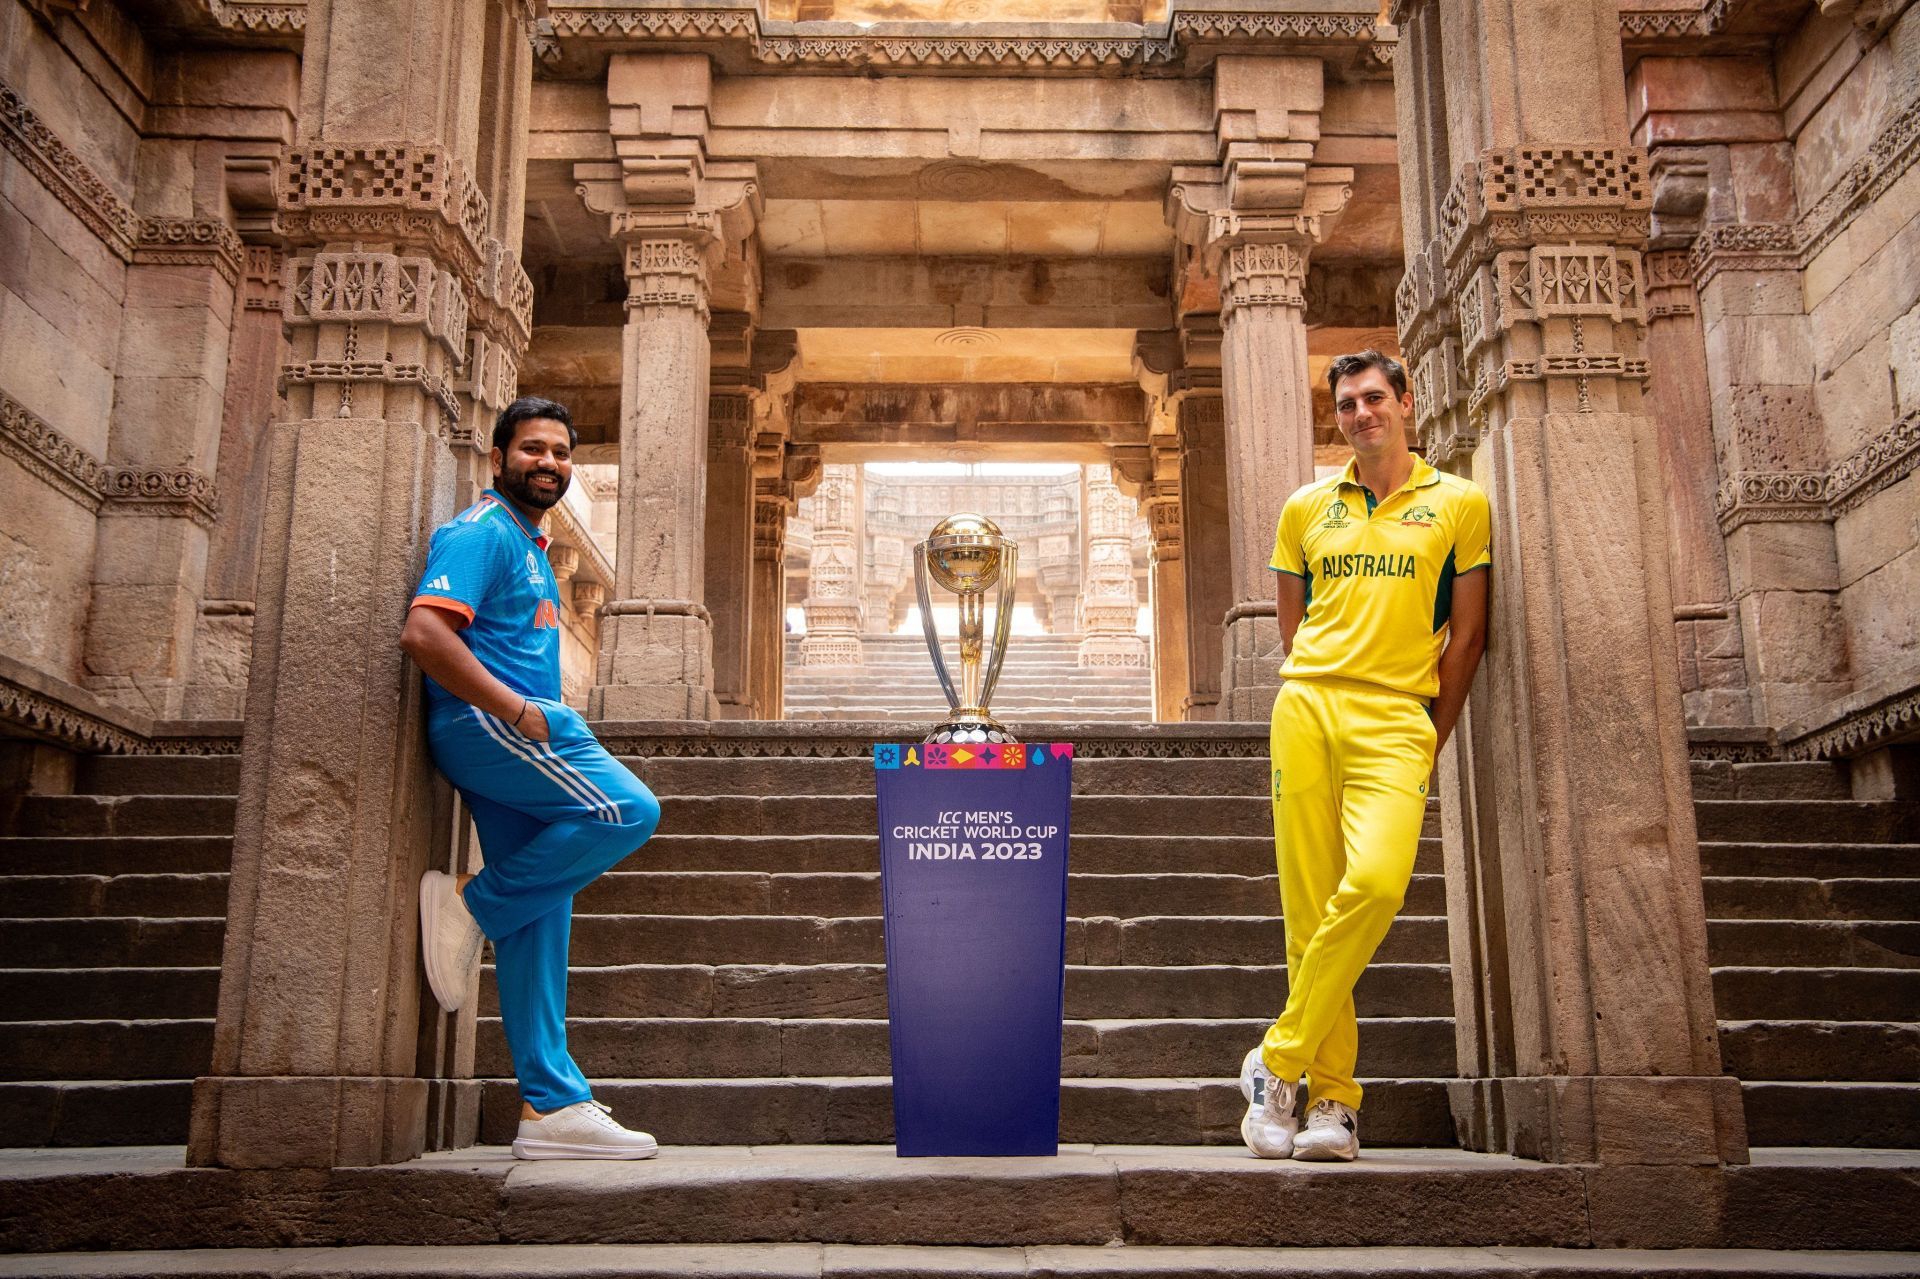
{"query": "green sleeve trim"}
(1290, 573)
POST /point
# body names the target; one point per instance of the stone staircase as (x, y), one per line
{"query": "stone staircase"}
(728, 995)
(1042, 680)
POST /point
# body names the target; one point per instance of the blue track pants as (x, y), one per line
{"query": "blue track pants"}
(552, 816)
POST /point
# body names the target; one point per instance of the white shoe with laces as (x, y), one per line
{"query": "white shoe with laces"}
(1332, 1133)
(1270, 1122)
(584, 1130)
(450, 940)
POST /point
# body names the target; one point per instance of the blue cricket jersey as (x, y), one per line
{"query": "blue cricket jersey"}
(489, 566)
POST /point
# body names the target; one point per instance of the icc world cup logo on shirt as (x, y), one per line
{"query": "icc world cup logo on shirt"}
(1336, 515)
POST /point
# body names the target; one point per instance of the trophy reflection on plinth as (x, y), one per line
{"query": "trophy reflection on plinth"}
(967, 555)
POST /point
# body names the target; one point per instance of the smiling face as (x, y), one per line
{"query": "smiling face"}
(1371, 417)
(536, 467)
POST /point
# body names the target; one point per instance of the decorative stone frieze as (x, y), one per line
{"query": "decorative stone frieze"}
(177, 491)
(191, 242)
(1753, 497)
(1262, 274)
(409, 194)
(70, 178)
(378, 288)
(261, 278)
(47, 453)
(1890, 719)
(1669, 285)
(278, 18)
(666, 274)
(790, 44)
(346, 374)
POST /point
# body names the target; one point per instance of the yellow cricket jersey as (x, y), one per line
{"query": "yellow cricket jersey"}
(1380, 578)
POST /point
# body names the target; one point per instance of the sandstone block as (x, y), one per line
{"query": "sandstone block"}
(1762, 350)
(1782, 556)
(74, 302)
(1856, 399)
(1904, 355)
(1882, 612)
(1878, 530)
(46, 375)
(1769, 427)
(182, 342)
(1733, 294)
(1794, 636)
(1883, 288)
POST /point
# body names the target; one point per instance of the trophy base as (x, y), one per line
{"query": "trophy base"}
(971, 728)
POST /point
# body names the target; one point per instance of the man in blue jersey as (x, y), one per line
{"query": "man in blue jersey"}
(553, 809)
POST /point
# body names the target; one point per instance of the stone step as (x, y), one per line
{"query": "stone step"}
(1822, 1049)
(125, 815)
(859, 1110)
(41, 896)
(1215, 1196)
(727, 1048)
(1092, 815)
(890, 1261)
(641, 892)
(85, 1112)
(148, 1049)
(1782, 897)
(1086, 854)
(158, 774)
(860, 990)
(50, 994)
(1845, 994)
(1868, 1116)
(673, 777)
(117, 942)
(772, 939)
(115, 855)
(1813, 943)
(1813, 859)
(1718, 779)
(1026, 723)
(1809, 820)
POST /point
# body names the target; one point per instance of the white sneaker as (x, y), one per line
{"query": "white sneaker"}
(1270, 1123)
(449, 939)
(584, 1130)
(1333, 1133)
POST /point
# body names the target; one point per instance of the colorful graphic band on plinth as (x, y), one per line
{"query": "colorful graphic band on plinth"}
(973, 869)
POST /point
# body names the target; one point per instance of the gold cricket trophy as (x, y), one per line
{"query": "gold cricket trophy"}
(967, 555)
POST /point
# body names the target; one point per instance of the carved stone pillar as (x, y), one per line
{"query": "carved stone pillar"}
(1167, 584)
(1782, 555)
(150, 555)
(656, 639)
(833, 585)
(769, 622)
(223, 644)
(1110, 603)
(322, 1042)
(729, 542)
(1583, 1004)
(1268, 395)
(1204, 540)
(1713, 673)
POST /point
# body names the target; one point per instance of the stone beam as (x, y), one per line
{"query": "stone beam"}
(938, 293)
(967, 421)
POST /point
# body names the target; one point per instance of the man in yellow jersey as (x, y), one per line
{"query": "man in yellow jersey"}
(1383, 612)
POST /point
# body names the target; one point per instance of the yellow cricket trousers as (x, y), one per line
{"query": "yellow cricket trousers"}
(1350, 768)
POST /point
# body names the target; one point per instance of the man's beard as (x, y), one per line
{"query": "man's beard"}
(519, 486)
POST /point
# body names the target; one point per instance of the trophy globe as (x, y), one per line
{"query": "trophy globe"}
(967, 555)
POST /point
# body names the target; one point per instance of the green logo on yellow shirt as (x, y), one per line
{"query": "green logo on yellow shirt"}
(1336, 515)
(1422, 516)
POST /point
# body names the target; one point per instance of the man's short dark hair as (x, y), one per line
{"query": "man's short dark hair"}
(1344, 366)
(525, 409)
